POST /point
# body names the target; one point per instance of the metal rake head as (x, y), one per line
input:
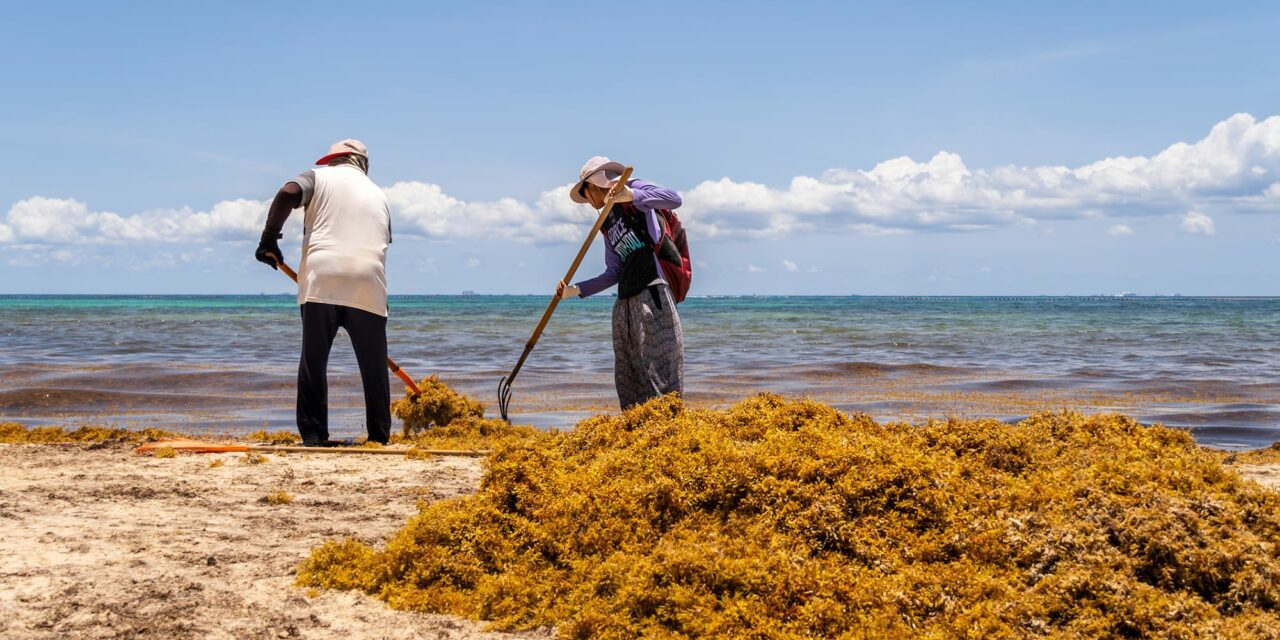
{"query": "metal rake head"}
(504, 397)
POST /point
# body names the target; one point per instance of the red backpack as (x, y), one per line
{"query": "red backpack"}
(677, 274)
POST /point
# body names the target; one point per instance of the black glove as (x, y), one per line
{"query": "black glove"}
(268, 251)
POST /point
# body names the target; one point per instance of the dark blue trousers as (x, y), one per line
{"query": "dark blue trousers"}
(368, 333)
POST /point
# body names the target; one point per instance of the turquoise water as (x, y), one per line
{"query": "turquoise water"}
(228, 362)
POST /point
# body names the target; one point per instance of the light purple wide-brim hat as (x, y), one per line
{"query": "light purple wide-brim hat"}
(599, 171)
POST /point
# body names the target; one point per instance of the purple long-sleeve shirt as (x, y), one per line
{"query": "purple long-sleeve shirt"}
(646, 197)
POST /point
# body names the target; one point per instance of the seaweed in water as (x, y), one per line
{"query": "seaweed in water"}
(436, 406)
(12, 433)
(779, 518)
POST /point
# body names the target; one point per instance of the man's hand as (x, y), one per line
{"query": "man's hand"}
(567, 290)
(268, 251)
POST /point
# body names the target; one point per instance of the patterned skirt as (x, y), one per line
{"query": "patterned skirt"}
(648, 346)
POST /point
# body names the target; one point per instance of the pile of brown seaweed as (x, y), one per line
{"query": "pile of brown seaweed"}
(436, 406)
(780, 518)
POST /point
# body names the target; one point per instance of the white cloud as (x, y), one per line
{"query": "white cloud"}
(1235, 167)
(417, 209)
(429, 211)
(1119, 230)
(54, 220)
(1236, 164)
(49, 218)
(790, 266)
(751, 268)
(1198, 223)
(473, 263)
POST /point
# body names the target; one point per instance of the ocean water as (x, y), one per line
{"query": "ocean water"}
(228, 363)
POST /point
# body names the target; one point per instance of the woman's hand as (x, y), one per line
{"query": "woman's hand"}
(567, 290)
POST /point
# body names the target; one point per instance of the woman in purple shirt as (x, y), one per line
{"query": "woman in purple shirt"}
(648, 345)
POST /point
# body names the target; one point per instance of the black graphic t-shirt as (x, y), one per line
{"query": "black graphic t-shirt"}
(627, 232)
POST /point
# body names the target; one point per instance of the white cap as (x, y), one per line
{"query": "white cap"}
(344, 147)
(599, 171)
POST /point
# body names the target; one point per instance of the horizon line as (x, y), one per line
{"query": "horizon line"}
(472, 294)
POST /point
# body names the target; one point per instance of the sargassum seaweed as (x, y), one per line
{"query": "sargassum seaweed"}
(436, 406)
(779, 518)
(13, 433)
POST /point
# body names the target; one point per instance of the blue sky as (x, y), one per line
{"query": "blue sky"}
(824, 148)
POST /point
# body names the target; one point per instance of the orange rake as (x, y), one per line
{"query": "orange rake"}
(198, 446)
(391, 364)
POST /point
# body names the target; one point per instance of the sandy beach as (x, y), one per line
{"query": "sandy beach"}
(776, 322)
(97, 542)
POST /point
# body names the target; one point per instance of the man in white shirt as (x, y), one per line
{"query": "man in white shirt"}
(341, 281)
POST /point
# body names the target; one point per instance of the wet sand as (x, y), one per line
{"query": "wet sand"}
(96, 542)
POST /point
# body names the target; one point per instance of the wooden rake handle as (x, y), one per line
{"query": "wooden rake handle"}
(391, 364)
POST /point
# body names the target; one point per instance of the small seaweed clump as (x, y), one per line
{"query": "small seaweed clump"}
(12, 433)
(780, 518)
(276, 497)
(436, 406)
(273, 437)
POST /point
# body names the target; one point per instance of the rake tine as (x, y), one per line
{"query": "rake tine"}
(504, 397)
